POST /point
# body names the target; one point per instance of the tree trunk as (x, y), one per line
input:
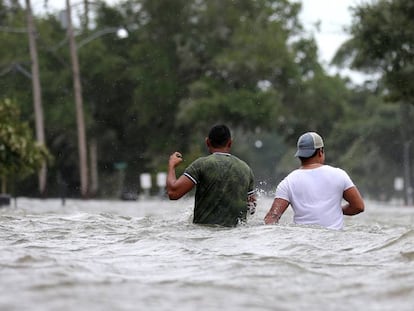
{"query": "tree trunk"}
(406, 142)
(86, 15)
(3, 184)
(93, 150)
(82, 146)
(37, 94)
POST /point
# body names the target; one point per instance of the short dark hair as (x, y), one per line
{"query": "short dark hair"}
(219, 135)
(314, 154)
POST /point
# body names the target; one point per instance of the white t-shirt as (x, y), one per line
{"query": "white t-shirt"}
(316, 195)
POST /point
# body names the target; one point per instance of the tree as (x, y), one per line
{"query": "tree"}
(37, 92)
(20, 155)
(382, 41)
(184, 65)
(80, 119)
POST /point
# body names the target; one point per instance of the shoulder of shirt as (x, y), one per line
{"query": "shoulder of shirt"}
(224, 154)
(208, 157)
(333, 167)
(231, 156)
(302, 171)
(335, 170)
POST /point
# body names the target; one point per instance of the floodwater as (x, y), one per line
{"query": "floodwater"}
(147, 255)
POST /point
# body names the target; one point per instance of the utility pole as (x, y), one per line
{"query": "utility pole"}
(407, 174)
(86, 15)
(37, 94)
(83, 158)
(405, 119)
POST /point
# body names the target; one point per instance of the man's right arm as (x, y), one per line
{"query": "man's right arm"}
(279, 206)
(355, 203)
(176, 188)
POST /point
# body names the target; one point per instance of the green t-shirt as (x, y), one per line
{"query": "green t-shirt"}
(223, 183)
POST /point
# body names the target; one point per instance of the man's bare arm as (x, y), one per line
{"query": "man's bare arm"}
(251, 203)
(355, 203)
(279, 206)
(176, 188)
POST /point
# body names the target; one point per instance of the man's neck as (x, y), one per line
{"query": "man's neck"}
(311, 163)
(219, 150)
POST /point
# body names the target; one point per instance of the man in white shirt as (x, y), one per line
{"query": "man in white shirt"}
(315, 190)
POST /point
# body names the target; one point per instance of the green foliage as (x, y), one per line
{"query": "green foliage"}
(382, 41)
(183, 66)
(19, 153)
(245, 108)
(367, 142)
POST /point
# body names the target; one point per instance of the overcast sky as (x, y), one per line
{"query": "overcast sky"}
(333, 16)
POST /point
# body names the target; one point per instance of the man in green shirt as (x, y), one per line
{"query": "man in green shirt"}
(224, 183)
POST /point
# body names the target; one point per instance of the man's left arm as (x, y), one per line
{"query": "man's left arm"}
(251, 196)
(355, 203)
(251, 203)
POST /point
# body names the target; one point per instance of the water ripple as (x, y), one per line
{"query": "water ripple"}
(105, 255)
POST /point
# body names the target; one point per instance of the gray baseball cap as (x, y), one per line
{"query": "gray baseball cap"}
(307, 144)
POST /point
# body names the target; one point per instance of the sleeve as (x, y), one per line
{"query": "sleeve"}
(347, 182)
(192, 172)
(251, 184)
(282, 190)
